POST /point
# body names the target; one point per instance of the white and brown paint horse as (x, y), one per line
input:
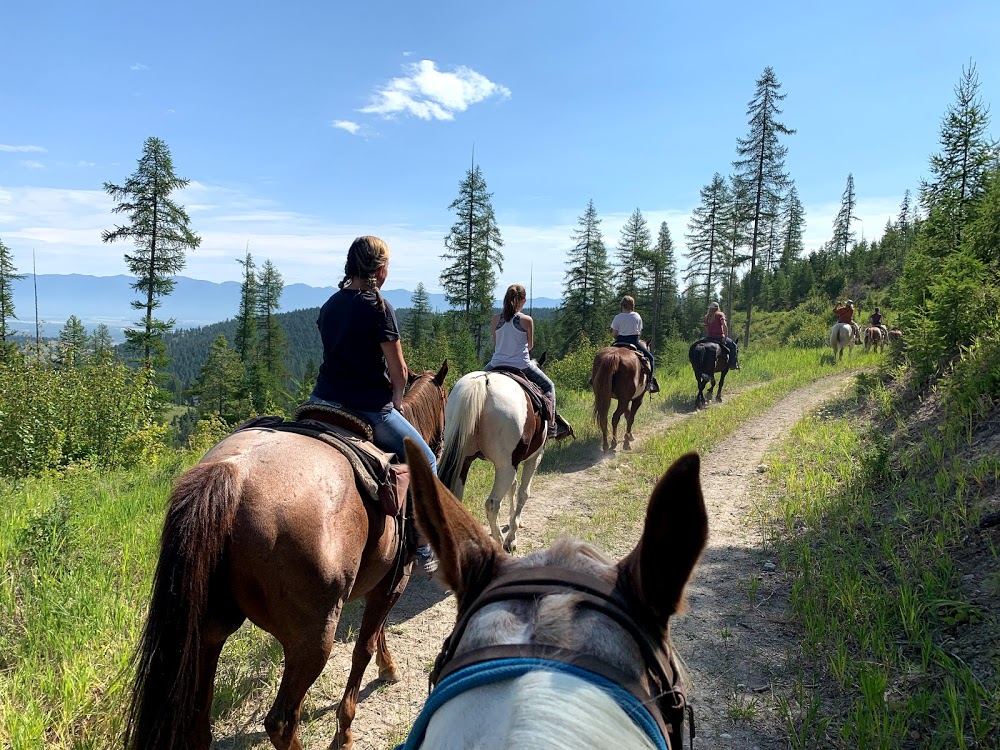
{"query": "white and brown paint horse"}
(490, 416)
(563, 648)
(875, 337)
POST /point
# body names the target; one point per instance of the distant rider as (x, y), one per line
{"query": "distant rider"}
(513, 338)
(845, 314)
(626, 326)
(717, 330)
(876, 320)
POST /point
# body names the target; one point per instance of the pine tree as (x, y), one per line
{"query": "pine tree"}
(246, 340)
(472, 250)
(587, 284)
(101, 343)
(272, 344)
(158, 227)
(842, 234)
(761, 165)
(662, 288)
(219, 382)
(633, 249)
(961, 170)
(73, 342)
(419, 327)
(794, 228)
(706, 236)
(8, 275)
(737, 215)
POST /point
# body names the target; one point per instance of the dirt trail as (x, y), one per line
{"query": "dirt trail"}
(730, 649)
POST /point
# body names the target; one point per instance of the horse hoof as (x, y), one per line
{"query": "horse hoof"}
(510, 548)
(718, 399)
(627, 447)
(342, 742)
(390, 674)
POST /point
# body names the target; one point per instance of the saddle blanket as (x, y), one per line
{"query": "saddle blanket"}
(540, 402)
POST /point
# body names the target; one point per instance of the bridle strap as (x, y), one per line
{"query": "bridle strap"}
(666, 700)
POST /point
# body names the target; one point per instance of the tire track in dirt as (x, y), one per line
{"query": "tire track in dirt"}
(425, 614)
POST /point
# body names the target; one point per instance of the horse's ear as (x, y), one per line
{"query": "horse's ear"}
(467, 556)
(674, 536)
(736, 340)
(541, 360)
(411, 376)
(441, 374)
(649, 344)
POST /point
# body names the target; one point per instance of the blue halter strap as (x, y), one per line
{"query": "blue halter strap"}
(498, 670)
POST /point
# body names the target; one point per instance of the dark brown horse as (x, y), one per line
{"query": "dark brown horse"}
(618, 373)
(269, 526)
(708, 358)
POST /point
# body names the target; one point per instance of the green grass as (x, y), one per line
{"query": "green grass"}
(78, 550)
(869, 530)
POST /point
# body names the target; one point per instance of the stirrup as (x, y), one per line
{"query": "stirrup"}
(654, 387)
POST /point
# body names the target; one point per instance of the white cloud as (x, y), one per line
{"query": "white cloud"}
(6, 148)
(406, 53)
(31, 164)
(82, 163)
(432, 94)
(350, 127)
(138, 66)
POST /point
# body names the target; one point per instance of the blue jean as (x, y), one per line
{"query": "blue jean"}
(634, 339)
(388, 430)
(534, 373)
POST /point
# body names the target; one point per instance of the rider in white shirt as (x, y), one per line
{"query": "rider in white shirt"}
(626, 327)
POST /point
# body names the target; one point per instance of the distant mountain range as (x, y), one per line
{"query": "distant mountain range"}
(193, 303)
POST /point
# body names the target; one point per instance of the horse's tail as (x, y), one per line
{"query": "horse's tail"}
(697, 356)
(465, 406)
(199, 520)
(602, 377)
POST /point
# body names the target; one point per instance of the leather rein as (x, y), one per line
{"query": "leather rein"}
(667, 703)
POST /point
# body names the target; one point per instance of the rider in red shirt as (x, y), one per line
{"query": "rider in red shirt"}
(845, 314)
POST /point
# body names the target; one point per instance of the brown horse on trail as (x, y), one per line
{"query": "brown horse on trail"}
(620, 373)
(269, 526)
(874, 337)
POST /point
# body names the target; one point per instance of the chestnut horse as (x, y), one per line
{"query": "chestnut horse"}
(563, 648)
(875, 337)
(490, 416)
(708, 358)
(269, 526)
(618, 372)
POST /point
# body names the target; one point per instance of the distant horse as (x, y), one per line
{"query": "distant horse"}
(620, 373)
(490, 416)
(874, 337)
(269, 526)
(563, 648)
(708, 358)
(841, 337)
(895, 334)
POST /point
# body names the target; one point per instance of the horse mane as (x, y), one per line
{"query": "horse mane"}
(422, 409)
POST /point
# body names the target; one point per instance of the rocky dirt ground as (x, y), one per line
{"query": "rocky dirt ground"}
(738, 649)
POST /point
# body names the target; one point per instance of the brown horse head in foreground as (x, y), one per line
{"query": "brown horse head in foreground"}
(618, 373)
(543, 642)
(269, 526)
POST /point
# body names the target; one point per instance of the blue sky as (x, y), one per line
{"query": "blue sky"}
(631, 104)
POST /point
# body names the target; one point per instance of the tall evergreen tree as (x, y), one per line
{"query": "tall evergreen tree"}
(761, 165)
(662, 286)
(101, 343)
(960, 171)
(246, 338)
(587, 284)
(220, 382)
(793, 230)
(633, 250)
(472, 250)
(8, 275)
(272, 345)
(736, 222)
(842, 234)
(420, 322)
(706, 236)
(158, 227)
(73, 342)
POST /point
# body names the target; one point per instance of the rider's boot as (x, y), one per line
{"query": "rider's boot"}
(654, 387)
(561, 429)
